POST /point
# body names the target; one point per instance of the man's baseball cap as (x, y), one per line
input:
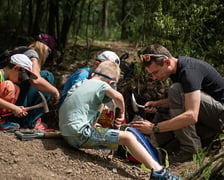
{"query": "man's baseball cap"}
(24, 62)
(108, 55)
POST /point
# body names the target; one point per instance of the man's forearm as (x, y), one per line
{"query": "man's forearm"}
(162, 103)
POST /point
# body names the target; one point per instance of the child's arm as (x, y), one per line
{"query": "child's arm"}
(119, 101)
(18, 111)
(42, 84)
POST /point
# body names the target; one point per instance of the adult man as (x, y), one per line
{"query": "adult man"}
(195, 98)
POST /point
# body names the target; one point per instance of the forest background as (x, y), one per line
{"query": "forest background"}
(193, 28)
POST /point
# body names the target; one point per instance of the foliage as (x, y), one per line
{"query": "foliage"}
(208, 168)
(194, 28)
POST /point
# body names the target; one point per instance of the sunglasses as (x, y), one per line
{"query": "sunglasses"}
(112, 82)
(147, 57)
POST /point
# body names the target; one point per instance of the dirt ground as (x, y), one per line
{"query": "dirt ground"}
(53, 159)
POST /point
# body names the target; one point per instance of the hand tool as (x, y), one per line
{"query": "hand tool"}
(135, 106)
(27, 135)
(43, 105)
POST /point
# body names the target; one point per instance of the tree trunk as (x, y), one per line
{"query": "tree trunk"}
(21, 21)
(123, 16)
(68, 17)
(105, 17)
(30, 30)
(80, 19)
(38, 16)
(53, 11)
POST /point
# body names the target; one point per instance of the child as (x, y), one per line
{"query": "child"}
(15, 69)
(38, 52)
(85, 73)
(80, 110)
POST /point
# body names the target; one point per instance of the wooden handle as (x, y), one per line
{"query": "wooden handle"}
(52, 135)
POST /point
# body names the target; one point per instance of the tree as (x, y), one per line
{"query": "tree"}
(105, 16)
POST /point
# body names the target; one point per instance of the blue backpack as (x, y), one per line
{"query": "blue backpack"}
(124, 152)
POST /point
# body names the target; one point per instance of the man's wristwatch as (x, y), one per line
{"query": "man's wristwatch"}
(155, 128)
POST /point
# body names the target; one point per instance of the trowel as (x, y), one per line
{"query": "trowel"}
(135, 106)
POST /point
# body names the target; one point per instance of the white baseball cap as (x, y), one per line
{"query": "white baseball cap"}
(108, 55)
(24, 62)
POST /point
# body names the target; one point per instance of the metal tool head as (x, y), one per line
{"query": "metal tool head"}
(44, 101)
(133, 103)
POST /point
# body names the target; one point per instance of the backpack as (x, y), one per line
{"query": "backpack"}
(124, 152)
(4, 56)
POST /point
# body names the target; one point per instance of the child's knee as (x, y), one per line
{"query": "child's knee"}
(126, 137)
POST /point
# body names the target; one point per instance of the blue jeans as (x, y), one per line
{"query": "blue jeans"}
(29, 96)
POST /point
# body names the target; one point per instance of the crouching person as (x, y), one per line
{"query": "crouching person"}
(14, 69)
(80, 111)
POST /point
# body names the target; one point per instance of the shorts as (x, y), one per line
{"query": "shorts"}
(95, 138)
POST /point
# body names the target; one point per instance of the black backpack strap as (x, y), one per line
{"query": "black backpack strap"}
(20, 50)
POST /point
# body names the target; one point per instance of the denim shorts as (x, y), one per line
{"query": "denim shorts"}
(95, 138)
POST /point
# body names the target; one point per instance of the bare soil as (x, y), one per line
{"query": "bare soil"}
(54, 159)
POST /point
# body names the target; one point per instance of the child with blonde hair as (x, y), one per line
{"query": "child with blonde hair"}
(38, 52)
(81, 109)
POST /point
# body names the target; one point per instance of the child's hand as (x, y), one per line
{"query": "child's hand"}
(56, 96)
(119, 120)
(19, 111)
(106, 109)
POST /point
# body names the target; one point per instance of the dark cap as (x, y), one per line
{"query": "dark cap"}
(48, 40)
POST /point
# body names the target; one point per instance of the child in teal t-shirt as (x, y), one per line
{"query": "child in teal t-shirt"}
(81, 109)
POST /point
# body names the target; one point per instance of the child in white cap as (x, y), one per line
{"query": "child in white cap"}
(15, 69)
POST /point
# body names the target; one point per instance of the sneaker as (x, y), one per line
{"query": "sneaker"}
(40, 126)
(9, 126)
(163, 174)
(181, 156)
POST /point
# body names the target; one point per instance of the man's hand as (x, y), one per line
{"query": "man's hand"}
(150, 107)
(144, 127)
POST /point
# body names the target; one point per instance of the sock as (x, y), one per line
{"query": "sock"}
(159, 171)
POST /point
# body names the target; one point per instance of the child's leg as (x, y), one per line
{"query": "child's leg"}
(137, 150)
